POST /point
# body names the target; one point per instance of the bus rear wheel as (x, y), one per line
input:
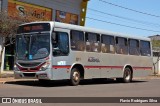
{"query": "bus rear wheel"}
(127, 76)
(75, 77)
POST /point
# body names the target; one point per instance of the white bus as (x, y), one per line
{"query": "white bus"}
(57, 51)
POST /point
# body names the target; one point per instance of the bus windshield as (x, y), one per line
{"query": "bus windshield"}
(32, 46)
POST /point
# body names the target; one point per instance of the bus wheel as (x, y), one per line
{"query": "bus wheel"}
(75, 77)
(127, 76)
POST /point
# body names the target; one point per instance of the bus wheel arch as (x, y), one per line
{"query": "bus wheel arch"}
(77, 73)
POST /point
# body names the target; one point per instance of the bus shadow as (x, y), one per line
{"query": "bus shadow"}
(107, 81)
(63, 83)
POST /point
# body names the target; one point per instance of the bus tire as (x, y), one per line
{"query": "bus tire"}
(75, 77)
(127, 75)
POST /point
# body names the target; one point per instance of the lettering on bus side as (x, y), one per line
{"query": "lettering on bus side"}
(93, 59)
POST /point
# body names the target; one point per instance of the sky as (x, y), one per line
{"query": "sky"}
(102, 15)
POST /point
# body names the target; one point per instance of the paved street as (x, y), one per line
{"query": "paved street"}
(88, 88)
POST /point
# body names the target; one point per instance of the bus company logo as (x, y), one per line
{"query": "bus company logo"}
(93, 59)
(28, 69)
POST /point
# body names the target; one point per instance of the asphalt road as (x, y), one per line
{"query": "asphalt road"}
(87, 88)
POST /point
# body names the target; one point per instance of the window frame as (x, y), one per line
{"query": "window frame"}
(150, 51)
(112, 42)
(56, 38)
(82, 40)
(137, 46)
(120, 46)
(98, 40)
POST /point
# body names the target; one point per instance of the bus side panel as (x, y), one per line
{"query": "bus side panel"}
(111, 65)
(90, 68)
(60, 68)
(61, 64)
(144, 67)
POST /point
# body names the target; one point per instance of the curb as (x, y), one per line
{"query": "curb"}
(148, 77)
(11, 79)
(7, 74)
(3, 82)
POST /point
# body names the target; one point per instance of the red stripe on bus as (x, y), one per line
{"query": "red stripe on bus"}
(117, 67)
(103, 66)
(61, 67)
(145, 68)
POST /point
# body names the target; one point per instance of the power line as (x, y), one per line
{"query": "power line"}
(157, 16)
(125, 18)
(133, 27)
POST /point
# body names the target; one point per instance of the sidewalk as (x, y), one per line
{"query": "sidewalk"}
(8, 76)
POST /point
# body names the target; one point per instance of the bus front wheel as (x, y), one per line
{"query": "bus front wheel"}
(75, 77)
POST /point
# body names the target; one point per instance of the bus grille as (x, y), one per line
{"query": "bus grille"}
(30, 64)
(29, 74)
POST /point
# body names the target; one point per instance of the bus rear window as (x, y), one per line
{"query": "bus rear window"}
(36, 27)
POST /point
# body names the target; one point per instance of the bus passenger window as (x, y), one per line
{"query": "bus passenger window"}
(77, 40)
(92, 42)
(133, 47)
(121, 45)
(108, 44)
(60, 44)
(145, 48)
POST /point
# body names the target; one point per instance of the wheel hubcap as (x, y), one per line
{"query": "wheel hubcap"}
(127, 75)
(76, 76)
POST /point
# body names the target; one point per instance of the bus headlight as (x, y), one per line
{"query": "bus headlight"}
(44, 67)
(16, 68)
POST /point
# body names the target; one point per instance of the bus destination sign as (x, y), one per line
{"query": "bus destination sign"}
(38, 27)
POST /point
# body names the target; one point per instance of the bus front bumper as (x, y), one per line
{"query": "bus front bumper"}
(31, 75)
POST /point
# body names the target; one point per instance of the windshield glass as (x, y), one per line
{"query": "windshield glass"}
(32, 46)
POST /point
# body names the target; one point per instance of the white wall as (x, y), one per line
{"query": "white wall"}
(1, 42)
(1, 57)
(157, 65)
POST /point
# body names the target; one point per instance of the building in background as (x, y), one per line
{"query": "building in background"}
(66, 11)
(155, 37)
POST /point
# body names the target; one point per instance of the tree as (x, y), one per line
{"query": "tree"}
(155, 43)
(8, 28)
(156, 53)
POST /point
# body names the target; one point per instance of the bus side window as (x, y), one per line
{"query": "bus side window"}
(92, 42)
(145, 48)
(77, 40)
(108, 44)
(133, 47)
(121, 45)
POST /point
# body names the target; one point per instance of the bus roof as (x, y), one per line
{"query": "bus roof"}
(87, 29)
